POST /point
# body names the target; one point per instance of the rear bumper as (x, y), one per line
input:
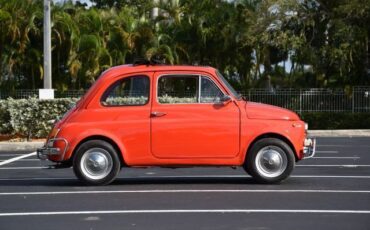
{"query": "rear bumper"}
(309, 148)
(48, 150)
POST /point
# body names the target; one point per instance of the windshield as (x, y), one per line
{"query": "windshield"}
(231, 89)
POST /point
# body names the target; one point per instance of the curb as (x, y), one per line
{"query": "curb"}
(340, 133)
(20, 146)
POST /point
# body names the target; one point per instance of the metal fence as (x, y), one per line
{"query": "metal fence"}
(26, 93)
(357, 99)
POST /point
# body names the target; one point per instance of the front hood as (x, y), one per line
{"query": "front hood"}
(269, 112)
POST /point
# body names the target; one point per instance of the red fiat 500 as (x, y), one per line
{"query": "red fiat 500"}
(174, 116)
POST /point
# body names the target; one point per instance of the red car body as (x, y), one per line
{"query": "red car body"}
(174, 135)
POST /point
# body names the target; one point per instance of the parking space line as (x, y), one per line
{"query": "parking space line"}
(344, 166)
(181, 191)
(23, 160)
(330, 176)
(222, 211)
(17, 158)
(335, 158)
(37, 178)
(349, 145)
(187, 176)
(320, 151)
(10, 154)
(23, 168)
(49, 167)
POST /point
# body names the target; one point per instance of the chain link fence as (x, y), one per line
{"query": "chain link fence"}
(357, 99)
(314, 100)
(26, 93)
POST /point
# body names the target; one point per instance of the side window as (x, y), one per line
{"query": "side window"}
(174, 89)
(127, 91)
(210, 93)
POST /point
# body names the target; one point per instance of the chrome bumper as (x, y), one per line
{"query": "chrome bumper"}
(48, 150)
(309, 148)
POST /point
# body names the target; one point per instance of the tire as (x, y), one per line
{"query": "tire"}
(96, 162)
(270, 160)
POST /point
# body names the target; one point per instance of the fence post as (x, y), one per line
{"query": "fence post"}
(353, 99)
(300, 101)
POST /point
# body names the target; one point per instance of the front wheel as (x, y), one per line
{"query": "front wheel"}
(96, 163)
(270, 160)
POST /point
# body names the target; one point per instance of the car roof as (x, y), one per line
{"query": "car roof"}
(115, 71)
(130, 68)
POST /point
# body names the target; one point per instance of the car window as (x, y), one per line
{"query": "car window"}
(127, 91)
(174, 89)
(210, 93)
(232, 90)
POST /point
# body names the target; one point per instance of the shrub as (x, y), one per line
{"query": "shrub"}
(32, 117)
(5, 126)
(339, 120)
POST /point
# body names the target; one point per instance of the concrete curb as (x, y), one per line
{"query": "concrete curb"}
(32, 146)
(340, 133)
(20, 146)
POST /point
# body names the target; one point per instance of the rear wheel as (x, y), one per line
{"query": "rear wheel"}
(270, 160)
(96, 163)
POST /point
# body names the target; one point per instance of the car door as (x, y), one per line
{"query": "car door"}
(189, 121)
(123, 110)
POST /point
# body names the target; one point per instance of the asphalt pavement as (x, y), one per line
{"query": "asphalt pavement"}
(330, 191)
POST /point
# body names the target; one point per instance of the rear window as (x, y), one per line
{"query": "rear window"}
(127, 91)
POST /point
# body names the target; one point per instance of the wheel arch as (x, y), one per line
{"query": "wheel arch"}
(272, 135)
(104, 138)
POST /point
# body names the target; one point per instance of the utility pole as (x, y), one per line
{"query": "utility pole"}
(155, 11)
(47, 92)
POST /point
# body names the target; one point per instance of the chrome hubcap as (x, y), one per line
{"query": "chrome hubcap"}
(271, 161)
(96, 163)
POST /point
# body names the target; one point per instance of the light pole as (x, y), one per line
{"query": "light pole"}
(47, 92)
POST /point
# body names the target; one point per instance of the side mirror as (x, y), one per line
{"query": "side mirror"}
(225, 99)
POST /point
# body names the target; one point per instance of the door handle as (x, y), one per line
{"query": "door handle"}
(157, 114)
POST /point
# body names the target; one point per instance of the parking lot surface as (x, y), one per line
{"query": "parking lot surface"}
(330, 191)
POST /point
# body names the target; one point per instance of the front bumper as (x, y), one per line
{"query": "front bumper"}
(48, 150)
(309, 148)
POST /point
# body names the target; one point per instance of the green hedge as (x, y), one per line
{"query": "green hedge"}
(31, 117)
(339, 120)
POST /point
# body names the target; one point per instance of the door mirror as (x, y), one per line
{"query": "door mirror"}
(224, 99)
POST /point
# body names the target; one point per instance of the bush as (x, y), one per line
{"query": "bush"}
(340, 120)
(5, 126)
(32, 117)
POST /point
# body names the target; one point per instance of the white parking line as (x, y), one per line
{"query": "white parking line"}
(187, 176)
(37, 178)
(335, 158)
(349, 145)
(17, 158)
(343, 166)
(24, 160)
(329, 176)
(11, 155)
(49, 167)
(181, 191)
(320, 151)
(23, 168)
(222, 211)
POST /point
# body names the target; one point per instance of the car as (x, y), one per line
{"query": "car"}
(147, 114)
